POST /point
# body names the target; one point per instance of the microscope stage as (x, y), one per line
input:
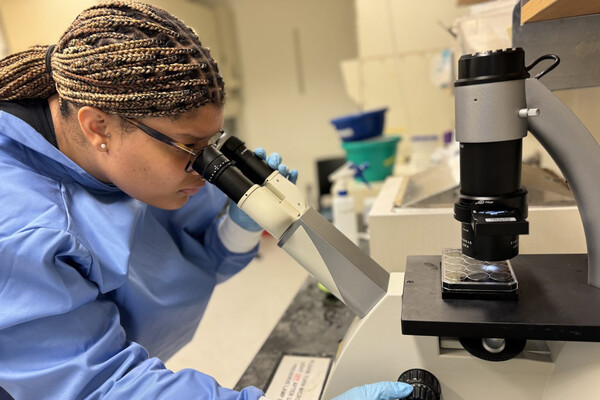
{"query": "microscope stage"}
(554, 302)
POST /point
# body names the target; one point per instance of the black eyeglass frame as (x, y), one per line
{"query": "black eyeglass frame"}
(153, 133)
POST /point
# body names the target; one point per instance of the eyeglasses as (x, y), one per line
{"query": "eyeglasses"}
(193, 152)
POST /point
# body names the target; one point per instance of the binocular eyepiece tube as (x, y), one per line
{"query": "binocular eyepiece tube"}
(213, 166)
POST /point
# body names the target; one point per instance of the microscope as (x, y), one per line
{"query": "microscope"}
(480, 322)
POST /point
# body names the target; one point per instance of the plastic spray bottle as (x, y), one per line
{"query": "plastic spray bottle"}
(344, 212)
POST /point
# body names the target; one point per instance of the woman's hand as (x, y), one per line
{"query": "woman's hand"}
(377, 391)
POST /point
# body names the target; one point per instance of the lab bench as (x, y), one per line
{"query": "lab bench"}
(313, 325)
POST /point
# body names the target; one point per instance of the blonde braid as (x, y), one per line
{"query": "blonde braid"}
(125, 57)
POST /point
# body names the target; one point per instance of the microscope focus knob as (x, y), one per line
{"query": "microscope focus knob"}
(425, 384)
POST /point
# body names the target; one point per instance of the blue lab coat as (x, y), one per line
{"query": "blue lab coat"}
(96, 287)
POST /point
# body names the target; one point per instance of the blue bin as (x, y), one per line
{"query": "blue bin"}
(360, 126)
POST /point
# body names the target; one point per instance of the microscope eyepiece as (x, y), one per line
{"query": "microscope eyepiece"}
(249, 163)
(220, 171)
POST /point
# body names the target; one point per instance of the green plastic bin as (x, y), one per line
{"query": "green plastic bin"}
(379, 153)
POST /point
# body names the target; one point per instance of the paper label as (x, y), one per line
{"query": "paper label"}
(298, 377)
(505, 219)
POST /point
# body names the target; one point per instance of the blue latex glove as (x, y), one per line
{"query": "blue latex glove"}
(242, 219)
(274, 161)
(377, 391)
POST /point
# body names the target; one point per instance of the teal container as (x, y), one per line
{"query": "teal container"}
(379, 153)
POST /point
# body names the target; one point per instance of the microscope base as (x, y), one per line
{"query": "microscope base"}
(374, 349)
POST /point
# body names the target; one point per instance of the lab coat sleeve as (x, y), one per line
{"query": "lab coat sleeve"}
(60, 338)
(195, 230)
(235, 238)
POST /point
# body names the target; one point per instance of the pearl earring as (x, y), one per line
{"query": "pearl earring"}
(103, 146)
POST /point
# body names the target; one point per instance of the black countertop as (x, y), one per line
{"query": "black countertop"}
(313, 325)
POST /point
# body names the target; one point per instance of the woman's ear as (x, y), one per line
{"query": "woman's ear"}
(93, 124)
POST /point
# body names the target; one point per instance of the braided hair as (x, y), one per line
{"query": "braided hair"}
(124, 57)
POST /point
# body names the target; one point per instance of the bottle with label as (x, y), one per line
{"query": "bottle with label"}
(344, 215)
(343, 207)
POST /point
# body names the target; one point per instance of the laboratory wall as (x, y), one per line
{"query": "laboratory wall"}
(30, 22)
(401, 64)
(404, 64)
(213, 24)
(290, 53)
(280, 61)
(292, 66)
(585, 103)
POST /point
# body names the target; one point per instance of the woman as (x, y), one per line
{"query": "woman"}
(110, 245)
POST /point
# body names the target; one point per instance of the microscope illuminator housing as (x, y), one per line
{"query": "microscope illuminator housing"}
(492, 207)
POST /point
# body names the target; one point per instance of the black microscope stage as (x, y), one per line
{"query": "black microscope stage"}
(554, 302)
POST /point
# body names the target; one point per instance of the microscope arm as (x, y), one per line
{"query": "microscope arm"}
(280, 208)
(577, 154)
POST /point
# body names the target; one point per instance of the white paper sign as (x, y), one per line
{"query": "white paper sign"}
(298, 378)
